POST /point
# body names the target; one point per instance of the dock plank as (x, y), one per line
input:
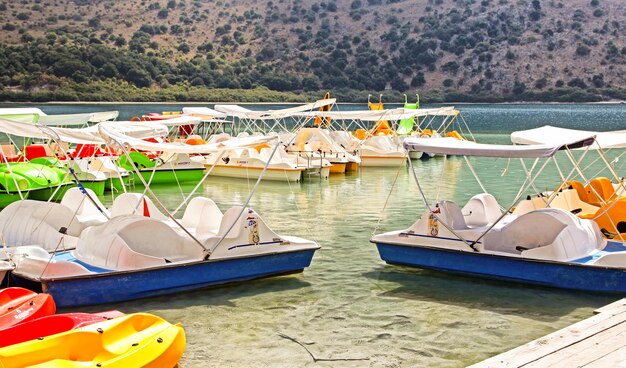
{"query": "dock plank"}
(550, 350)
(615, 360)
(587, 350)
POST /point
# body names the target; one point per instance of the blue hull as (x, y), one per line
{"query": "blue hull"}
(554, 274)
(122, 286)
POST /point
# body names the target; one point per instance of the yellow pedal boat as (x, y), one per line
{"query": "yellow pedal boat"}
(133, 340)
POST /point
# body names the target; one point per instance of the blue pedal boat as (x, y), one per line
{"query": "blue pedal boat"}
(133, 256)
(547, 246)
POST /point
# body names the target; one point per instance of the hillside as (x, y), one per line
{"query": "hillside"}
(488, 50)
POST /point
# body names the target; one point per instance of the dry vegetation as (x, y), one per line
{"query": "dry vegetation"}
(542, 49)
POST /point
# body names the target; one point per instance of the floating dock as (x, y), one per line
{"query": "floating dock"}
(598, 341)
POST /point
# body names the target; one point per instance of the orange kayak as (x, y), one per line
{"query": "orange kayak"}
(18, 305)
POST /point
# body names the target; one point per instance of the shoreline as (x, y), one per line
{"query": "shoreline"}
(614, 102)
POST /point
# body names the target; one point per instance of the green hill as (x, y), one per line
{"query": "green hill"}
(448, 50)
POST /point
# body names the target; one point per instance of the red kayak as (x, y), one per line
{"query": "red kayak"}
(18, 305)
(50, 325)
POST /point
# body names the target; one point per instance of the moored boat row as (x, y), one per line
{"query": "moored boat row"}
(86, 247)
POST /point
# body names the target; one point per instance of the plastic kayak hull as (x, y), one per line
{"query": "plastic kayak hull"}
(134, 340)
(20, 305)
(51, 325)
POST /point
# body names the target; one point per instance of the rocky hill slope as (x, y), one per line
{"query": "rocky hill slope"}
(463, 49)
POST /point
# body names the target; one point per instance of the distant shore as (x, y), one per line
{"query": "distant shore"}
(612, 102)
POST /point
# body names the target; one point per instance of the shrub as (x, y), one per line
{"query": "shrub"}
(519, 88)
(577, 82)
(582, 50)
(541, 83)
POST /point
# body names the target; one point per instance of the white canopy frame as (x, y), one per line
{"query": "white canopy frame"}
(269, 120)
(604, 142)
(447, 146)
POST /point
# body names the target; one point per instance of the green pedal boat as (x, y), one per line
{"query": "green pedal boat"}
(32, 180)
(177, 168)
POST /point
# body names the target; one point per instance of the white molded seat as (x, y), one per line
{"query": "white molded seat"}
(482, 209)
(86, 211)
(251, 153)
(202, 217)
(133, 204)
(452, 216)
(549, 233)
(216, 138)
(131, 242)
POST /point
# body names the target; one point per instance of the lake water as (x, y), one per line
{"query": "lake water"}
(349, 304)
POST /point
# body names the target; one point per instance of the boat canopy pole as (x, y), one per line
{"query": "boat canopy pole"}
(445, 161)
(601, 153)
(475, 175)
(125, 149)
(11, 172)
(206, 175)
(621, 183)
(393, 185)
(528, 175)
(243, 208)
(467, 126)
(553, 195)
(54, 136)
(512, 204)
(419, 187)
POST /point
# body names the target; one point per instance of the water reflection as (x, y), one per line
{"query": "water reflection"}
(348, 303)
(508, 298)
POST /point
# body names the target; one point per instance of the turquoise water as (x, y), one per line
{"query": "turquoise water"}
(482, 118)
(349, 304)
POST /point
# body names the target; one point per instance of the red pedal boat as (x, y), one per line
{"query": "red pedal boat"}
(18, 305)
(50, 325)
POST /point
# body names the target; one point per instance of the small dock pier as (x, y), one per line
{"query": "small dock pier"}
(598, 341)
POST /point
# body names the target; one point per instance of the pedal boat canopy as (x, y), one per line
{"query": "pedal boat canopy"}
(453, 146)
(548, 134)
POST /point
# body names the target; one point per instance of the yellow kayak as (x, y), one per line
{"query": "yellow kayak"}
(133, 340)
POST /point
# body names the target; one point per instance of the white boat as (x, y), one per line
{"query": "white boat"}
(548, 246)
(34, 115)
(249, 163)
(601, 198)
(382, 150)
(380, 145)
(113, 261)
(101, 256)
(52, 226)
(318, 144)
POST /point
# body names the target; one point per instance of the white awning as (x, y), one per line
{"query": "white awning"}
(548, 135)
(79, 136)
(35, 115)
(377, 115)
(453, 146)
(199, 111)
(178, 120)
(112, 133)
(244, 113)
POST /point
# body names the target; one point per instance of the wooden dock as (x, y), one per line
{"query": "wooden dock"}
(598, 341)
